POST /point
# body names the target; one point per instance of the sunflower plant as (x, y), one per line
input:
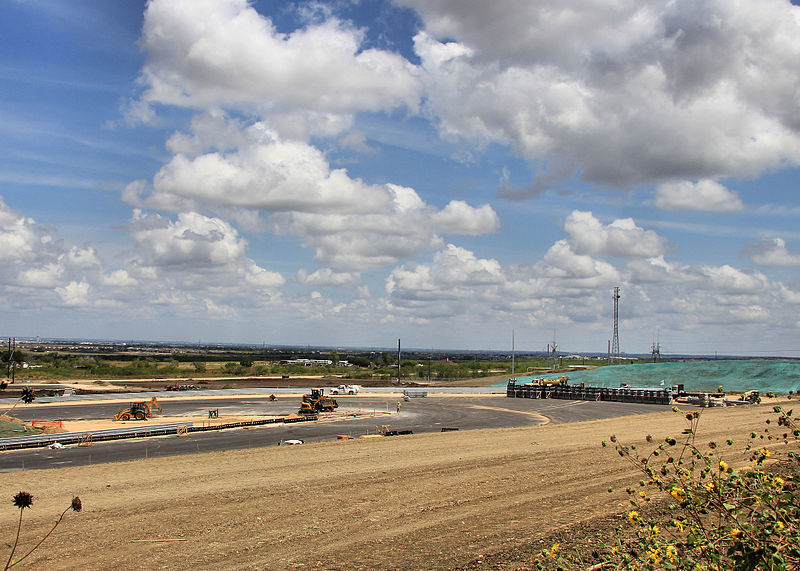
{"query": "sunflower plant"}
(716, 517)
(24, 500)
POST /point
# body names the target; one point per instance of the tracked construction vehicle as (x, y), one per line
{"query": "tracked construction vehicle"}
(139, 410)
(315, 402)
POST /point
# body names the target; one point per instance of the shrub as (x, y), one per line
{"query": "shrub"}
(718, 517)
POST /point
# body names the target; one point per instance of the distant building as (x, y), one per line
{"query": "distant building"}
(308, 362)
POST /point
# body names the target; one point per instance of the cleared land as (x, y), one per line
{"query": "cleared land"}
(427, 501)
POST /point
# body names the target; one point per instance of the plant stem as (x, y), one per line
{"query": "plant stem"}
(14, 548)
(58, 521)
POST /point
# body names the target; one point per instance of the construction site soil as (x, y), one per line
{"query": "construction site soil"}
(458, 500)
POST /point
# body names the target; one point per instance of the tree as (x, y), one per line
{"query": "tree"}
(335, 357)
(360, 361)
(13, 355)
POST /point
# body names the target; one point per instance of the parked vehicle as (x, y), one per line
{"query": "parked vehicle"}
(346, 390)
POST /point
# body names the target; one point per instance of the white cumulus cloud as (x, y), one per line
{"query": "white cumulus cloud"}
(620, 94)
(75, 293)
(327, 277)
(620, 238)
(223, 53)
(707, 195)
(772, 252)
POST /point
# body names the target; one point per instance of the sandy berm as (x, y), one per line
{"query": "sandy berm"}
(427, 501)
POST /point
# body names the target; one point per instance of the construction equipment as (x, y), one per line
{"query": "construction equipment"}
(139, 410)
(557, 382)
(317, 402)
(749, 397)
(752, 397)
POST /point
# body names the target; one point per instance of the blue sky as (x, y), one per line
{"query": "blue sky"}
(349, 173)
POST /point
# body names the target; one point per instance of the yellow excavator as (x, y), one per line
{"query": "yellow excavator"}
(139, 410)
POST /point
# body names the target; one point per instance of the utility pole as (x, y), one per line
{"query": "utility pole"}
(430, 357)
(513, 356)
(615, 337)
(11, 369)
(398, 361)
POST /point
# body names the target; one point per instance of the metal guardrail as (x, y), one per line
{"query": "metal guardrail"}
(40, 440)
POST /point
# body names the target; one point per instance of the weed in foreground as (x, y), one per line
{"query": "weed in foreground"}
(22, 501)
(717, 517)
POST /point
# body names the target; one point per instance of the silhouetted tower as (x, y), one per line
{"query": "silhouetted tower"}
(614, 357)
(655, 349)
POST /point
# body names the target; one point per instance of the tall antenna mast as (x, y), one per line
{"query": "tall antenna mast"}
(615, 337)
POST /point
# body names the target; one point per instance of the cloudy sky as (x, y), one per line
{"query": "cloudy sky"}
(348, 173)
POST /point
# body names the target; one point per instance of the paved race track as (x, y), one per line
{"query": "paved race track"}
(429, 414)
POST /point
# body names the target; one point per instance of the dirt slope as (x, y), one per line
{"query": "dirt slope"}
(428, 501)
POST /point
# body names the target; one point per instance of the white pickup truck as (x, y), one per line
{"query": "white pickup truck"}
(345, 390)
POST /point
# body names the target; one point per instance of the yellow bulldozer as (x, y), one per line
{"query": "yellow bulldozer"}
(316, 401)
(139, 410)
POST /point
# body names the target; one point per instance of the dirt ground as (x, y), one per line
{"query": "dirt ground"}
(489, 498)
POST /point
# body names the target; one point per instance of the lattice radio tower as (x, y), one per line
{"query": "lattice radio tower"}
(614, 357)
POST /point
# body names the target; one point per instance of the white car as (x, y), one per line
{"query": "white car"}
(346, 390)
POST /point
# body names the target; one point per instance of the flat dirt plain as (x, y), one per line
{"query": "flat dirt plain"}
(490, 499)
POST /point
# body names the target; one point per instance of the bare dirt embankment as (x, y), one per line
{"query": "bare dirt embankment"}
(428, 501)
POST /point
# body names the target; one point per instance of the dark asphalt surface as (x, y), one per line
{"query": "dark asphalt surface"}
(429, 414)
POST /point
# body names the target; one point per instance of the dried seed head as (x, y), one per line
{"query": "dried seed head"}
(76, 504)
(23, 500)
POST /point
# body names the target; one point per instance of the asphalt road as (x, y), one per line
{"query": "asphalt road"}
(430, 414)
